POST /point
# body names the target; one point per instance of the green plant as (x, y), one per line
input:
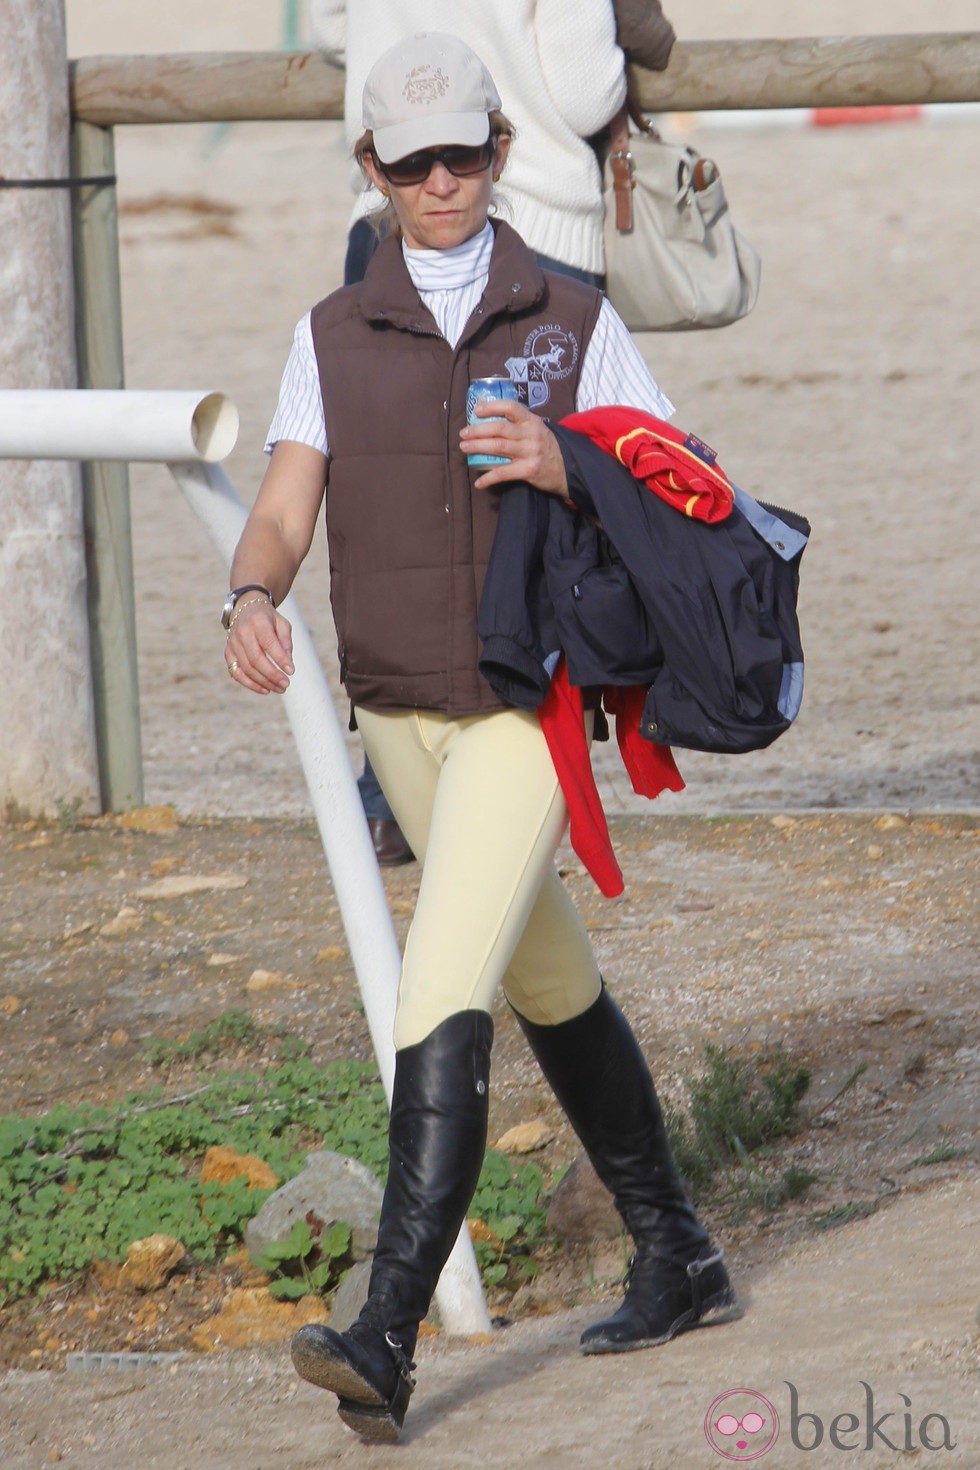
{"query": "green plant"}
(941, 1154)
(232, 1031)
(510, 1200)
(857, 1209)
(81, 1183)
(69, 813)
(753, 1187)
(734, 1107)
(305, 1261)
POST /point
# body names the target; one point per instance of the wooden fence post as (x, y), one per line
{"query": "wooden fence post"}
(47, 736)
(108, 539)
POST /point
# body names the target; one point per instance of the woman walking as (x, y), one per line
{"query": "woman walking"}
(372, 417)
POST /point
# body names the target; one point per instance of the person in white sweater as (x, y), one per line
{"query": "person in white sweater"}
(561, 76)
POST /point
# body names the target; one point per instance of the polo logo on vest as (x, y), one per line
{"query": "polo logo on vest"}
(550, 353)
(425, 84)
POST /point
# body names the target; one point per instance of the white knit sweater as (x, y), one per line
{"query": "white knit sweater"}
(560, 76)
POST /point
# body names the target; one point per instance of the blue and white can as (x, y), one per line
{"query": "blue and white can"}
(488, 390)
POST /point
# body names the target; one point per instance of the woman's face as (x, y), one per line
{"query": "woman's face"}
(444, 210)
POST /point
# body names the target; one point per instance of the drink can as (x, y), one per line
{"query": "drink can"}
(487, 390)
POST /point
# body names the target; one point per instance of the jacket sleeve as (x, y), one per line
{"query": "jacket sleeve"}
(583, 67)
(644, 32)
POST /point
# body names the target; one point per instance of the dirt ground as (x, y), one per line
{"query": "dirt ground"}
(848, 939)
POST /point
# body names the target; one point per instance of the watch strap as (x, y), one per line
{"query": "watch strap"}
(236, 593)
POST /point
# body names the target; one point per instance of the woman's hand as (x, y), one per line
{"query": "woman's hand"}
(526, 441)
(259, 650)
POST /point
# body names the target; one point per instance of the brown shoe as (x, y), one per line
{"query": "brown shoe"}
(390, 847)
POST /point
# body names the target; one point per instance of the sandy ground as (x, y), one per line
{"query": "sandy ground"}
(849, 395)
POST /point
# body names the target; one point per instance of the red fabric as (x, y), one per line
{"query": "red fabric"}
(651, 769)
(563, 722)
(669, 461)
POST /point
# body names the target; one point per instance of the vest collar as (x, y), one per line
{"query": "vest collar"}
(388, 293)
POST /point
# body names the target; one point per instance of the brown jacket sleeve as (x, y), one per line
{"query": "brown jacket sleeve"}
(644, 32)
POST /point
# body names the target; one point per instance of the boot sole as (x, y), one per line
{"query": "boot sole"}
(715, 1314)
(326, 1369)
(375, 1426)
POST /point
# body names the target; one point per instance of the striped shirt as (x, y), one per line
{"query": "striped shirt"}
(451, 283)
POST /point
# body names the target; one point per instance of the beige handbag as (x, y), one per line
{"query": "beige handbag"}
(674, 260)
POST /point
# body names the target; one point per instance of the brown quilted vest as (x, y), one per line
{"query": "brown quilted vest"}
(409, 539)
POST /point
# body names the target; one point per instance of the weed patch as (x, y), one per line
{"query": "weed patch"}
(232, 1031)
(735, 1107)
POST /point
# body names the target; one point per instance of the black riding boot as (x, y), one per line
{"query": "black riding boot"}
(437, 1137)
(676, 1278)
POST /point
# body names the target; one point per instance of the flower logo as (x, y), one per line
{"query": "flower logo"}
(741, 1425)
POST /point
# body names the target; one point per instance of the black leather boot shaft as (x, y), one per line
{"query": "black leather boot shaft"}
(437, 1138)
(598, 1073)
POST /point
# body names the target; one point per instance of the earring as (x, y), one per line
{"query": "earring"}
(496, 178)
(385, 191)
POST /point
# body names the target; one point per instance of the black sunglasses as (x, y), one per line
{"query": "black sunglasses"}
(462, 163)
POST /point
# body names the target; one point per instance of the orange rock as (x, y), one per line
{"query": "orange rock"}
(249, 1273)
(250, 1315)
(148, 819)
(150, 1262)
(223, 1164)
(525, 1138)
(481, 1234)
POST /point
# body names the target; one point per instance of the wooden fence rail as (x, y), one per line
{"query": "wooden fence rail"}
(828, 71)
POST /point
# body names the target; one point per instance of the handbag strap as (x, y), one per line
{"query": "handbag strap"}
(621, 157)
(621, 166)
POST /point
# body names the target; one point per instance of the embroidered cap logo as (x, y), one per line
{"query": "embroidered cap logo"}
(425, 84)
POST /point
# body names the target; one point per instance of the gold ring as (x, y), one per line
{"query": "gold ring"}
(232, 667)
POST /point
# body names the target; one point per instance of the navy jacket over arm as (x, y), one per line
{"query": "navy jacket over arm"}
(703, 616)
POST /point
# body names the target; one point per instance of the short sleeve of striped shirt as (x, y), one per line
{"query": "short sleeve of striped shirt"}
(613, 371)
(299, 413)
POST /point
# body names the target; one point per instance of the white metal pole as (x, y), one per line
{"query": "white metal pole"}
(347, 845)
(117, 424)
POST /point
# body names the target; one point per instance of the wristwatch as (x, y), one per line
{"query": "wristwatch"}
(235, 594)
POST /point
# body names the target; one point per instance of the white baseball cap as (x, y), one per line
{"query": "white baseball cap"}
(427, 90)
